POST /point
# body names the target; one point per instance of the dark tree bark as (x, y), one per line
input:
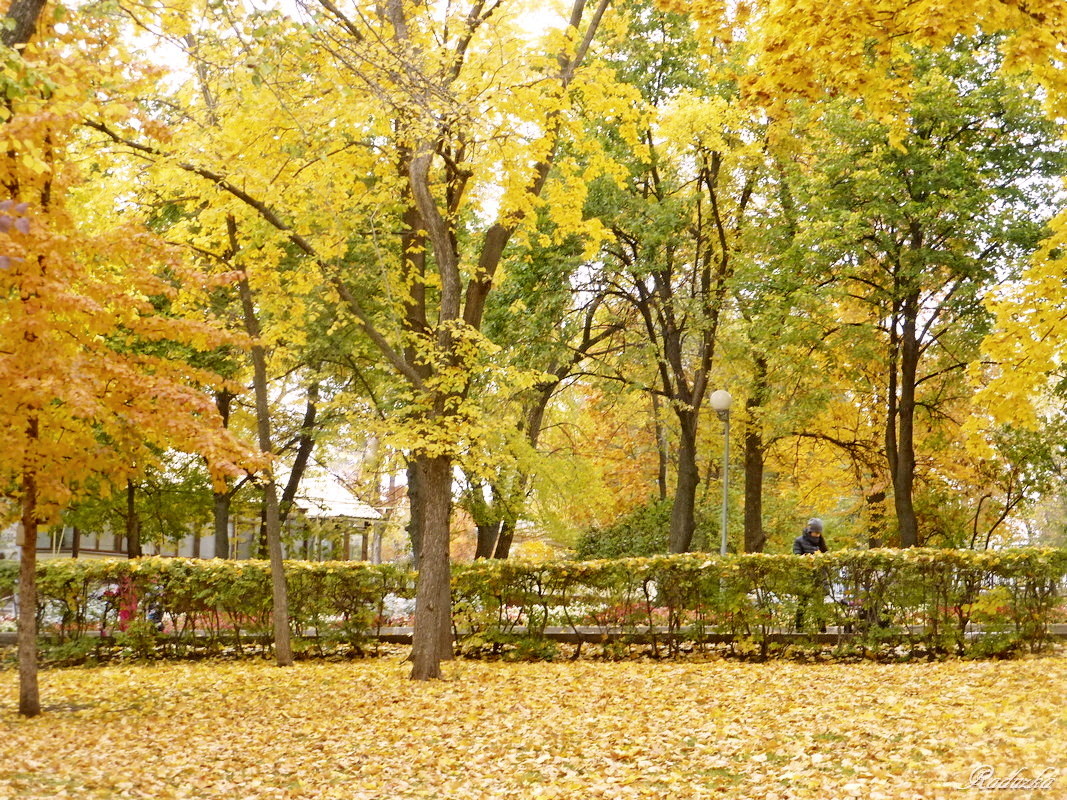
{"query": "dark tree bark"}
(305, 445)
(900, 421)
(29, 694)
(904, 476)
(416, 505)
(133, 522)
(504, 539)
(432, 635)
(488, 533)
(663, 452)
(875, 502)
(221, 510)
(25, 14)
(683, 519)
(755, 538)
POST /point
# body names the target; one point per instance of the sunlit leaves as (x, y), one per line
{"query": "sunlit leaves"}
(83, 349)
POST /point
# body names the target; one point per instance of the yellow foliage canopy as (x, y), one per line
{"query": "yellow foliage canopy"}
(810, 48)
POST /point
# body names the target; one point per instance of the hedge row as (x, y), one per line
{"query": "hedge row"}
(911, 602)
(187, 607)
(925, 601)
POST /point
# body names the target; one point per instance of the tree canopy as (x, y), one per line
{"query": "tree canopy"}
(511, 250)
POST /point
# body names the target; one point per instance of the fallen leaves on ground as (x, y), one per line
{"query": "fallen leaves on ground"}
(577, 730)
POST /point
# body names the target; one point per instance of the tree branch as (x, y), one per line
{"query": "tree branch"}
(271, 217)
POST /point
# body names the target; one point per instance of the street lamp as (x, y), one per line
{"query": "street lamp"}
(720, 401)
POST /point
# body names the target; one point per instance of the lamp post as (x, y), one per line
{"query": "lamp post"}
(720, 401)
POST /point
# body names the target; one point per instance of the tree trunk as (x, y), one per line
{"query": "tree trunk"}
(221, 510)
(283, 652)
(488, 535)
(683, 520)
(504, 539)
(432, 637)
(904, 474)
(875, 502)
(663, 452)
(222, 524)
(376, 545)
(262, 548)
(415, 506)
(24, 14)
(75, 541)
(485, 514)
(305, 444)
(755, 538)
(29, 695)
(133, 522)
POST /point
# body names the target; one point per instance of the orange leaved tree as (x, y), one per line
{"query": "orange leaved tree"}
(89, 386)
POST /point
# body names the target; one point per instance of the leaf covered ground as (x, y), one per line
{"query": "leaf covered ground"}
(575, 730)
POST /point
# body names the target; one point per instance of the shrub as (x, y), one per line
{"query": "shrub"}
(642, 532)
(874, 602)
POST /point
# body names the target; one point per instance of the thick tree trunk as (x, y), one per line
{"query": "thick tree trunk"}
(222, 524)
(755, 538)
(24, 15)
(432, 636)
(504, 539)
(683, 519)
(488, 534)
(133, 522)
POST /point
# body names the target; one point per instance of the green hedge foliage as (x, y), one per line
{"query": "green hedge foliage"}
(878, 603)
(9, 573)
(190, 607)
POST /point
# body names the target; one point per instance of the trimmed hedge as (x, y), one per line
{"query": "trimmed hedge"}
(875, 602)
(205, 607)
(879, 603)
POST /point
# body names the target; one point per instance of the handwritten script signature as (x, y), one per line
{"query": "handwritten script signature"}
(985, 777)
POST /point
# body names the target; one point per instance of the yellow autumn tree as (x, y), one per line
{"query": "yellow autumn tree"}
(90, 387)
(394, 149)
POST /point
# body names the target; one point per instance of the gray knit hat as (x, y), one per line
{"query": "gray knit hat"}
(814, 524)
